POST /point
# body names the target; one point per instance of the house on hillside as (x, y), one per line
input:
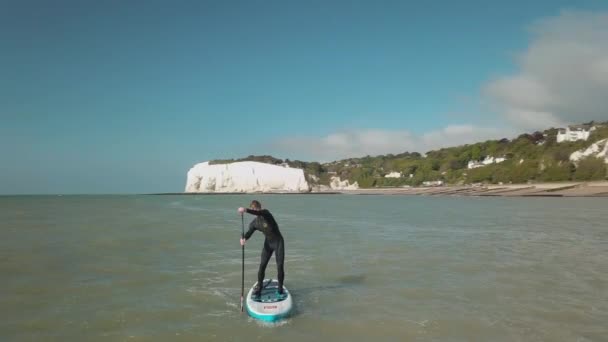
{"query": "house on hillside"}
(473, 164)
(433, 183)
(394, 174)
(574, 133)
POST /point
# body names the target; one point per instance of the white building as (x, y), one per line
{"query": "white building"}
(394, 175)
(473, 164)
(574, 133)
(433, 183)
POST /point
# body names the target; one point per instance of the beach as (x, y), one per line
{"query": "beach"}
(566, 189)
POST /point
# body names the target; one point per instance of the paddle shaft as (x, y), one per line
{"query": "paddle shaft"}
(243, 261)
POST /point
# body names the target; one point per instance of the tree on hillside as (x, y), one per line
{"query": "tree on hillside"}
(456, 164)
(558, 172)
(561, 155)
(524, 172)
(475, 153)
(598, 134)
(590, 168)
(492, 148)
(537, 137)
(314, 168)
(524, 147)
(481, 174)
(501, 174)
(551, 138)
(435, 164)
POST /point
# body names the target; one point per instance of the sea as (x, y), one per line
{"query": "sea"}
(359, 268)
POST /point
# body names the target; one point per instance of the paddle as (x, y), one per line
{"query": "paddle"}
(243, 261)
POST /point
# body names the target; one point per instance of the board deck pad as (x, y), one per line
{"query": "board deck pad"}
(270, 293)
(270, 306)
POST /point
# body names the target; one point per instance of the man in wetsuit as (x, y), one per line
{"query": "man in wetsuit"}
(264, 222)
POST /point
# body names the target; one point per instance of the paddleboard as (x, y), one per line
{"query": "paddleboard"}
(270, 306)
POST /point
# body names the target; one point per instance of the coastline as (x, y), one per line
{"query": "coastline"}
(565, 189)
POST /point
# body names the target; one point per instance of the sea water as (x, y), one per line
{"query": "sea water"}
(360, 268)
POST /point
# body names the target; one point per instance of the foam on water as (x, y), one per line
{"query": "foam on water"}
(270, 325)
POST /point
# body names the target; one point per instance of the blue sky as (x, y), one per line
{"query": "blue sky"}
(126, 96)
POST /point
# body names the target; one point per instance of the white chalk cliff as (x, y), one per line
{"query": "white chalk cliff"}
(598, 150)
(337, 184)
(245, 177)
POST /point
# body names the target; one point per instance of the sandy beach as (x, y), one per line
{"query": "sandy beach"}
(566, 189)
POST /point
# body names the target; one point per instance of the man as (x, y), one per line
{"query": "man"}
(273, 242)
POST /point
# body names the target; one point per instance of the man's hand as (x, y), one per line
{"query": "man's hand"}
(241, 210)
(243, 241)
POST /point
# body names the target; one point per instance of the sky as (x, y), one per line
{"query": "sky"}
(126, 96)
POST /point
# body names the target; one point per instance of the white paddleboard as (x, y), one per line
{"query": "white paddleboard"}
(270, 306)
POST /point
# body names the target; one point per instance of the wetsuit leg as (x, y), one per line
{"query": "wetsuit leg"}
(266, 254)
(280, 257)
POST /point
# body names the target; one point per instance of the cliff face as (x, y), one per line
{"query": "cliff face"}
(245, 177)
(598, 150)
(337, 184)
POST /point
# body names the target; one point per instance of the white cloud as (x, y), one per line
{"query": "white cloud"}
(562, 77)
(358, 143)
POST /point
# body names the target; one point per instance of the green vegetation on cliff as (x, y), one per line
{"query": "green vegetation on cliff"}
(529, 157)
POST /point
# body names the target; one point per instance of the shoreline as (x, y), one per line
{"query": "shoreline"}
(565, 189)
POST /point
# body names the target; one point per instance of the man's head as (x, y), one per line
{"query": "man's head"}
(255, 205)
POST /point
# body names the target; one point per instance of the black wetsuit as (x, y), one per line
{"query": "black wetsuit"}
(265, 223)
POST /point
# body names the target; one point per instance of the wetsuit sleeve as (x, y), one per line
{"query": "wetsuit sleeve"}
(251, 230)
(264, 213)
